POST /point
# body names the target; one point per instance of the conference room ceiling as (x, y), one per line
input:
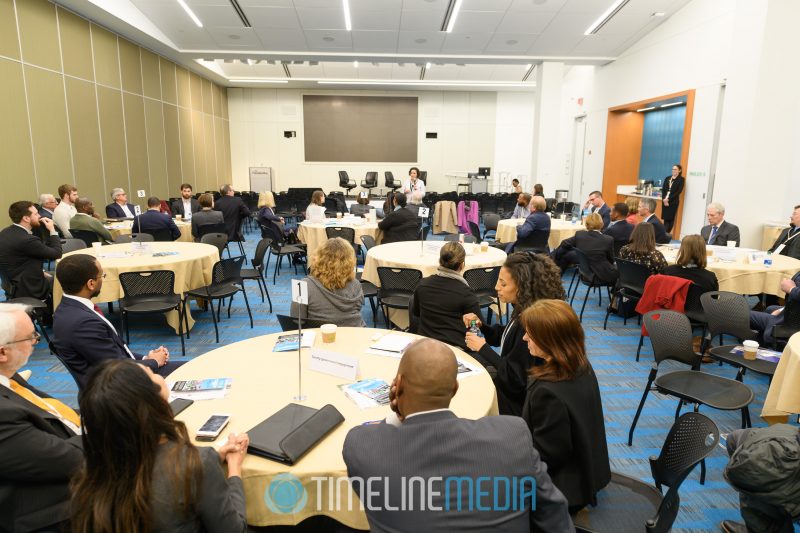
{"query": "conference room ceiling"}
(301, 43)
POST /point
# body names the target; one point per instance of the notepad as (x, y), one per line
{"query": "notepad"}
(391, 345)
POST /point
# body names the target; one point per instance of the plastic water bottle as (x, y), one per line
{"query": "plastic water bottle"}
(768, 260)
(473, 328)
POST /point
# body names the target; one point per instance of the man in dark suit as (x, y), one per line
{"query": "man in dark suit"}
(40, 443)
(233, 212)
(599, 206)
(765, 322)
(83, 337)
(788, 242)
(185, 206)
(619, 228)
(719, 231)
(85, 220)
(22, 251)
(534, 233)
(646, 208)
(454, 456)
(153, 221)
(47, 204)
(402, 224)
(119, 207)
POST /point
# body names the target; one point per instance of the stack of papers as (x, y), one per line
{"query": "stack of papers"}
(764, 354)
(288, 343)
(367, 393)
(200, 389)
(391, 345)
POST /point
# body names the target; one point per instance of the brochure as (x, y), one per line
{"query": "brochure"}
(763, 353)
(466, 370)
(200, 389)
(367, 393)
(288, 343)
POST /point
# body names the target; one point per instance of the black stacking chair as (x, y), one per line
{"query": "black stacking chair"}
(588, 278)
(397, 287)
(160, 235)
(482, 281)
(289, 323)
(629, 504)
(70, 245)
(348, 234)
(370, 182)
(257, 272)
(457, 237)
(87, 236)
(344, 183)
(475, 230)
(150, 292)
(368, 241)
(671, 336)
(490, 222)
(726, 313)
(423, 176)
(390, 182)
(536, 242)
(141, 237)
(220, 240)
(38, 308)
(280, 249)
(630, 285)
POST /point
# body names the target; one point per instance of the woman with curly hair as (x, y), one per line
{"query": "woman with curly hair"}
(524, 278)
(334, 293)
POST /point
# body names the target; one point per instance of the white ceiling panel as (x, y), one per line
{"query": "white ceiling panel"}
(409, 71)
(554, 45)
(443, 73)
(306, 71)
(266, 3)
(243, 70)
(321, 19)
(314, 4)
(475, 72)
(329, 39)
(377, 41)
(388, 6)
(338, 69)
(510, 43)
(223, 15)
(477, 21)
(426, 5)
(196, 3)
(485, 5)
(465, 42)
(420, 21)
(420, 41)
(533, 22)
(273, 17)
(235, 37)
(509, 73)
(539, 5)
(370, 72)
(282, 39)
(376, 20)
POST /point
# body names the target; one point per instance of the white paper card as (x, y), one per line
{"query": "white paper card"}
(137, 210)
(423, 212)
(363, 194)
(140, 193)
(334, 364)
(300, 291)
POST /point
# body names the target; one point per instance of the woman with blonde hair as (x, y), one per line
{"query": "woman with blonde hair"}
(334, 293)
(633, 209)
(266, 209)
(598, 248)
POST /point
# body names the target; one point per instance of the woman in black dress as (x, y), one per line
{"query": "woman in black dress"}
(671, 196)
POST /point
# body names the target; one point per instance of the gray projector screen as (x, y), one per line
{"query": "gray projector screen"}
(380, 129)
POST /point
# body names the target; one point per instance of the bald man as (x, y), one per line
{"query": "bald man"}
(465, 464)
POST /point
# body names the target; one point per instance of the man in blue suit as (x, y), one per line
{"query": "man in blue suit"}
(153, 221)
(534, 233)
(619, 228)
(599, 206)
(83, 337)
(119, 207)
(765, 322)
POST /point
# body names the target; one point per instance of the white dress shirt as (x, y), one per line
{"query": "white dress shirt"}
(187, 209)
(62, 215)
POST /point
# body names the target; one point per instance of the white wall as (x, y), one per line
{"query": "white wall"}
(466, 123)
(514, 139)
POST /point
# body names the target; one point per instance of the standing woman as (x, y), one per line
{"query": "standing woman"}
(671, 196)
(524, 278)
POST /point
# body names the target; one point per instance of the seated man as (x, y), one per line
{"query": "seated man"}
(22, 252)
(83, 337)
(65, 210)
(646, 208)
(152, 221)
(401, 224)
(40, 442)
(186, 206)
(535, 231)
(423, 438)
(119, 206)
(765, 322)
(599, 206)
(719, 231)
(788, 242)
(233, 211)
(619, 228)
(48, 204)
(85, 220)
(522, 209)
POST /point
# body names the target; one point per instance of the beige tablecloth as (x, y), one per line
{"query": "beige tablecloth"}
(771, 232)
(124, 228)
(313, 233)
(559, 230)
(192, 266)
(783, 397)
(744, 278)
(264, 382)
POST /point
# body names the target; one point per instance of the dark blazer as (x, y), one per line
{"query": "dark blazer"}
(177, 207)
(151, 221)
(82, 340)
(441, 302)
(702, 280)
(21, 257)
(45, 213)
(204, 217)
(726, 232)
(233, 211)
(441, 444)
(566, 421)
(659, 229)
(511, 379)
(674, 197)
(113, 210)
(38, 456)
(792, 248)
(620, 231)
(266, 215)
(605, 213)
(599, 249)
(400, 225)
(533, 233)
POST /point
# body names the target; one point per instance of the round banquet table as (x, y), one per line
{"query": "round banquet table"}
(264, 381)
(736, 274)
(559, 230)
(313, 233)
(192, 266)
(124, 228)
(783, 397)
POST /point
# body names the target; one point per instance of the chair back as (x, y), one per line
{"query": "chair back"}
(87, 236)
(535, 242)
(457, 237)
(727, 313)
(228, 270)
(423, 176)
(261, 251)
(142, 237)
(584, 265)
(425, 231)
(389, 179)
(205, 229)
(690, 440)
(160, 235)
(671, 335)
(490, 222)
(123, 239)
(220, 240)
(148, 283)
(348, 234)
(368, 241)
(7, 286)
(371, 179)
(344, 179)
(632, 276)
(289, 323)
(483, 280)
(475, 230)
(70, 245)
(398, 280)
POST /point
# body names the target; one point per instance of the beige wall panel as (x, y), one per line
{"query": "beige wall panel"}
(151, 81)
(16, 154)
(157, 158)
(208, 96)
(168, 90)
(217, 103)
(184, 90)
(187, 147)
(173, 147)
(86, 153)
(136, 139)
(225, 104)
(198, 130)
(227, 138)
(106, 61)
(112, 133)
(210, 150)
(76, 45)
(39, 33)
(219, 149)
(131, 67)
(9, 41)
(196, 84)
(48, 116)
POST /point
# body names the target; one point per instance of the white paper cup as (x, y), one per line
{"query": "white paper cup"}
(731, 244)
(328, 333)
(178, 217)
(484, 246)
(97, 245)
(750, 349)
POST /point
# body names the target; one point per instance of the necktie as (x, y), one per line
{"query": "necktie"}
(98, 310)
(50, 405)
(713, 234)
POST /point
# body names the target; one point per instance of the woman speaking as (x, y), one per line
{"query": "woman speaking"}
(671, 196)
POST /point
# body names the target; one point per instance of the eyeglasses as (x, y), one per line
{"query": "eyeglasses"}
(103, 275)
(33, 339)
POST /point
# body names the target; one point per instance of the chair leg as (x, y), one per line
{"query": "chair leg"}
(650, 379)
(608, 313)
(746, 417)
(703, 472)
(230, 303)
(180, 328)
(266, 291)
(247, 305)
(678, 410)
(639, 349)
(185, 317)
(585, 299)
(214, 319)
(275, 270)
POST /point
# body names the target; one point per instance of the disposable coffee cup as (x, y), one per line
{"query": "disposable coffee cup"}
(750, 349)
(97, 245)
(338, 214)
(178, 217)
(484, 246)
(731, 244)
(328, 333)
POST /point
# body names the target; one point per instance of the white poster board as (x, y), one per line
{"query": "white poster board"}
(260, 179)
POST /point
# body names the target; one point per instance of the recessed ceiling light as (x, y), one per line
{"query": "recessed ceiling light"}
(427, 65)
(328, 39)
(234, 37)
(420, 41)
(512, 41)
(190, 13)
(347, 22)
(355, 64)
(658, 14)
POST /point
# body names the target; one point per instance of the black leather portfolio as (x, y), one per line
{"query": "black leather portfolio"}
(288, 434)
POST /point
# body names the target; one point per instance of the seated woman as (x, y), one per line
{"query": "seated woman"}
(563, 408)
(334, 293)
(441, 300)
(316, 209)
(266, 211)
(361, 207)
(142, 472)
(633, 209)
(691, 264)
(524, 278)
(642, 249)
(598, 248)
(205, 216)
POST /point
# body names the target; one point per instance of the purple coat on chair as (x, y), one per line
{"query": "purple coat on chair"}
(466, 214)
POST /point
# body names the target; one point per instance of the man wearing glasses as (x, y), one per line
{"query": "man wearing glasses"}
(40, 443)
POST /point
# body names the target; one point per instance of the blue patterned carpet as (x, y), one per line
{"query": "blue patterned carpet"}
(612, 353)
